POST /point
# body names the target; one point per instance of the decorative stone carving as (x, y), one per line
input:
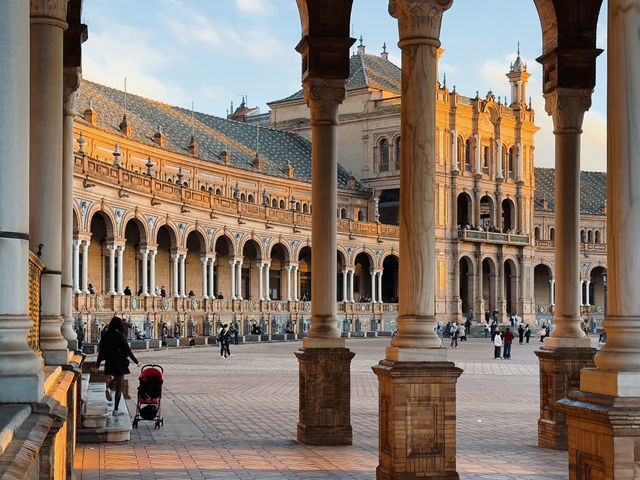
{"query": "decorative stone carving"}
(119, 214)
(84, 209)
(151, 222)
(323, 96)
(56, 9)
(567, 107)
(419, 18)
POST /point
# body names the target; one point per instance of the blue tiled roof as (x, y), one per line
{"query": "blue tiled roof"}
(593, 191)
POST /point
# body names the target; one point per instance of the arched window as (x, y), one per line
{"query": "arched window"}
(274, 203)
(598, 236)
(305, 208)
(243, 197)
(218, 191)
(343, 213)
(485, 160)
(297, 206)
(552, 234)
(582, 236)
(360, 216)
(537, 233)
(186, 185)
(282, 204)
(210, 189)
(590, 236)
(511, 164)
(250, 198)
(383, 152)
(202, 188)
(468, 147)
(397, 152)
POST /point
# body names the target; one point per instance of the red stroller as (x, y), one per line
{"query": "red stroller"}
(149, 404)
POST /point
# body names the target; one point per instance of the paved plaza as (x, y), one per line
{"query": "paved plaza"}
(236, 419)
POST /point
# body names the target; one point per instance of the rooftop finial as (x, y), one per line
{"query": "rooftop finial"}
(384, 47)
(518, 47)
(444, 81)
(361, 44)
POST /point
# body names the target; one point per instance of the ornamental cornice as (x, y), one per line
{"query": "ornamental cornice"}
(323, 95)
(567, 107)
(419, 20)
(55, 9)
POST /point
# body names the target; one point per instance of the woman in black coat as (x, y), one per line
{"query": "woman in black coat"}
(114, 350)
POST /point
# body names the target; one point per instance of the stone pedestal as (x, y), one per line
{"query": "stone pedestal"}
(559, 375)
(325, 396)
(417, 418)
(604, 438)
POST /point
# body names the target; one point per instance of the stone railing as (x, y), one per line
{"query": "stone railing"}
(492, 237)
(584, 247)
(35, 272)
(388, 102)
(162, 190)
(134, 305)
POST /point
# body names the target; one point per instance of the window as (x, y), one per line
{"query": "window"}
(467, 155)
(218, 191)
(598, 236)
(397, 153)
(360, 216)
(343, 213)
(485, 160)
(305, 208)
(297, 206)
(510, 165)
(243, 197)
(537, 233)
(383, 153)
(582, 236)
(282, 204)
(250, 199)
(202, 188)
(552, 234)
(274, 203)
(590, 237)
(210, 189)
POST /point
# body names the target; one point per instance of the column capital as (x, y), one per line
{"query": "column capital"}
(567, 107)
(323, 95)
(49, 11)
(419, 20)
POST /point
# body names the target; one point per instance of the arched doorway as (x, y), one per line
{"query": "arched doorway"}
(196, 248)
(486, 212)
(390, 279)
(464, 209)
(465, 284)
(542, 287)
(132, 272)
(341, 278)
(279, 257)
(508, 215)
(489, 285)
(166, 239)
(250, 280)
(362, 277)
(304, 273)
(598, 289)
(510, 287)
(222, 267)
(98, 266)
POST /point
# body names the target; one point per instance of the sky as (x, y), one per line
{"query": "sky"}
(214, 52)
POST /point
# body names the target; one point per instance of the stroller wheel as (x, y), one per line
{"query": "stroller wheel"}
(135, 424)
(157, 424)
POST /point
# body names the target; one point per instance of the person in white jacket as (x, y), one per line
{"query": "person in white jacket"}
(497, 345)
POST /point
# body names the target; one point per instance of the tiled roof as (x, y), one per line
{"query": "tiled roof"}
(213, 134)
(593, 191)
(366, 71)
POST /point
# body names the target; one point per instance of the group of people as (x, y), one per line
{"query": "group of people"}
(224, 339)
(502, 341)
(488, 228)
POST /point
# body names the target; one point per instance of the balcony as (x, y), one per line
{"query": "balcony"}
(594, 248)
(493, 237)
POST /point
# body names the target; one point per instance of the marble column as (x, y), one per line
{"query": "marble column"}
(48, 23)
(324, 362)
(582, 296)
(552, 291)
(380, 287)
(212, 292)
(232, 264)
(373, 287)
(66, 300)
(239, 280)
(415, 366)
(260, 278)
(288, 270)
(345, 294)
(295, 283)
(205, 261)
(144, 253)
(603, 416)
(112, 269)
(587, 293)
(174, 268)
(85, 266)
(568, 349)
(76, 266)
(351, 275)
(21, 377)
(120, 287)
(267, 288)
(152, 272)
(498, 160)
(183, 281)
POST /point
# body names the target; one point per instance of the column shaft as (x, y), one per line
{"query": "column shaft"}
(212, 263)
(379, 287)
(205, 262)
(288, 269)
(260, 278)
(85, 266)
(239, 281)
(345, 293)
(232, 295)
(120, 287)
(174, 261)
(295, 283)
(183, 281)
(152, 272)
(112, 269)
(267, 295)
(145, 277)
(21, 378)
(351, 274)
(373, 287)
(76, 266)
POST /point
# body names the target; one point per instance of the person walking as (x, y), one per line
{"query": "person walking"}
(507, 340)
(520, 333)
(487, 329)
(527, 332)
(233, 330)
(462, 333)
(454, 335)
(543, 332)
(223, 338)
(114, 351)
(497, 345)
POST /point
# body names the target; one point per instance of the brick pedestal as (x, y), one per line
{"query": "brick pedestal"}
(325, 396)
(604, 439)
(417, 415)
(559, 375)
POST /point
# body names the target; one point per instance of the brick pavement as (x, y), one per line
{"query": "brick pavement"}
(236, 419)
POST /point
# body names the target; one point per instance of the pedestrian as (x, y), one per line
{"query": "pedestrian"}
(520, 333)
(127, 291)
(447, 330)
(527, 332)
(220, 296)
(494, 330)
(543, 332)
(454, 335)
(497, 345)
(223, 338)
(163, 292)
(80, 335)
(91, 289)
(507, 340)
(233, 330)
(462, 333)
(487, 330)
(114, 351)
(486, 317)
(165, 334)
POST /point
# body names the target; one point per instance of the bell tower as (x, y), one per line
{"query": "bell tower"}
(518, 77)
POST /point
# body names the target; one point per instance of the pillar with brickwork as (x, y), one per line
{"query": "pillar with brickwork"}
(417, 385)
(604, 415)
(325, 380)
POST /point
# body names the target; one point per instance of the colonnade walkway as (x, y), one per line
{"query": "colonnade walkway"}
(236, 418)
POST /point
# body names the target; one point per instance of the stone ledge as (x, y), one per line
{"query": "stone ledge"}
(11, 419)
(606, 382)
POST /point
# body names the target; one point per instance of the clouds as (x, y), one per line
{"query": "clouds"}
(261, 7)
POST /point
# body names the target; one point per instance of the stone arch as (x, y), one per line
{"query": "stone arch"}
(76, 219)
(274, 203)
(108, 218)
(257, 244)
(140, 222)
(542, 276)
(384, 154)
(466, 269)
(390, 265)
(200, 235)
(487, 209)
(174, 236)
(488, 266)
(228, 241)
(509, 218)
(288, 254)
(464, 208)
(367, 252)
(510, 284)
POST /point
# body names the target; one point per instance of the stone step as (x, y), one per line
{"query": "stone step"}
(98, 423)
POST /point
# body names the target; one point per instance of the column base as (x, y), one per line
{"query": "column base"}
(417, 415)
(559, 375)
(55, 357)
(325, 396)
(603, 436)
(22, 388)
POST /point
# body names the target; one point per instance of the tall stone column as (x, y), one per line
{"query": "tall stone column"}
(183, 281)
(380, 287)
(21, 377)
(417, 386)
(76, 266)
(567, 350)
(260, 278)
(288, 270)
(603, 416)
(112, 269)
(120, 287)
(325, 377)
(212, 292)
(239, 280)
(174, 268)
(232, 294)
(345, 294)
(48, 23)
(351, 274)
(205, 261)
(144, 253)
(587, 293)
(152, 272)
(373, 287)
(85, 266)
(552, 291)
(267, 288)
(295, 282)
(66, 299)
